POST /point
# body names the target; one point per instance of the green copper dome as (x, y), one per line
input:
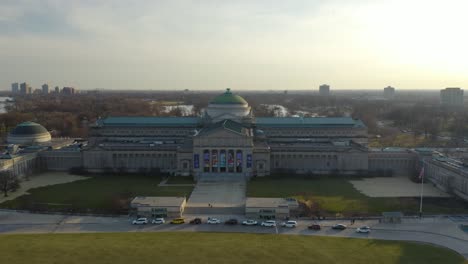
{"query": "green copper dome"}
(229, 98)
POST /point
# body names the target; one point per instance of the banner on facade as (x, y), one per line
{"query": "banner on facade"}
(196, 161)
(239, 161)
(230, 159)
(206, 159)
(214, 158)
(222, 159)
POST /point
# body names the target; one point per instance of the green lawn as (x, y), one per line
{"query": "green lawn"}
(178, 247)
(180, 180)
(337, 195)
(99, 194)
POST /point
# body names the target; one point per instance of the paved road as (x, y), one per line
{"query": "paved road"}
(439, 231)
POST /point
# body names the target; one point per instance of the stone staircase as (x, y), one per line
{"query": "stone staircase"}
(221, 194)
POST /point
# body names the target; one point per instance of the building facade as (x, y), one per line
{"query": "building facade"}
(228, 139)
(324, 90)
(451, 97)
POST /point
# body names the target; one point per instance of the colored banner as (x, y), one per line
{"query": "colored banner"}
(206, 159)
(239, 159)
(222, 159)
(230, 159)
(196, 161)
(214, 159)
(249, 160)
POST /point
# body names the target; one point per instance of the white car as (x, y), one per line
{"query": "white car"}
(289, 224)
(269, 223)
(158, 221)
(213, 221)
(363, 229)
(250, 222)
(140, 221)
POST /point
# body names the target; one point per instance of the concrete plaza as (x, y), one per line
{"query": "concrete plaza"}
(395, 187)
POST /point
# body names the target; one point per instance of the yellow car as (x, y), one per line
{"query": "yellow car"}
(177, 221)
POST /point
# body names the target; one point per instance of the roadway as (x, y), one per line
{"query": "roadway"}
(439, 231)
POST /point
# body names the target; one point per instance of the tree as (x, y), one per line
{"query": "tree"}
(8, 182)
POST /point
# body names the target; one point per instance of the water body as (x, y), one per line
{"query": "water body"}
(4, 101)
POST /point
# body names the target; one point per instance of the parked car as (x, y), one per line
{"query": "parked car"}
(195, 221)
(269, 223)
(213, 221)
(140, 221)
(232, 221)
(363, 229)
(158, 221)
(177, 221)
(339, 227)
(290, 223)
(314, 227)
(250, 222)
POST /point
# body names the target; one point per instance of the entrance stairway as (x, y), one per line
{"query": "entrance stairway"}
(218, 194)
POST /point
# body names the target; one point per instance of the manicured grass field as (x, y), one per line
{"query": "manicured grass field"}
(337, 195)
(177, 247)
(99, 194)
(180, 180)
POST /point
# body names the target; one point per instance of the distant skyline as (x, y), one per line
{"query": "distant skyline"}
(213, 44)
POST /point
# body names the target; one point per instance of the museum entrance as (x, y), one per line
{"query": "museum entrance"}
(223, 161)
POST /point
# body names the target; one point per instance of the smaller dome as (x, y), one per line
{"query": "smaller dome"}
(228, 98)
(28, 128)
(28, 133)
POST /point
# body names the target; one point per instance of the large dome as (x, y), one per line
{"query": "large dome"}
(228, 98)
(28, 133)
(228, 106)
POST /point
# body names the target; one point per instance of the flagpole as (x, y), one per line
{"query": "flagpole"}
(422, 191)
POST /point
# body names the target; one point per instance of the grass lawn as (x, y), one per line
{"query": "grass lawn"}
(99, 194)
(181, 180)
(337, 195)
(178, 247)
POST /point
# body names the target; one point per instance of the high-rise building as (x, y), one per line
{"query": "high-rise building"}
(45, 88)
(324, 90)
(68, 90)
(15, 88)
(451, 97)
(389, 92)
(25, 88)
(57, 89)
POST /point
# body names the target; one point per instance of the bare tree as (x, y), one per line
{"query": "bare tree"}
(8, 182)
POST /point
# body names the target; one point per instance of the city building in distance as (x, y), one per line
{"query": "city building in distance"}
(25, 88)
(451, 97)
(389, 93)
(45, 88)
(324, 90)
(15, 88)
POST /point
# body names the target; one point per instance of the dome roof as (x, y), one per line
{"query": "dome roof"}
(228, 98)
(28, 128)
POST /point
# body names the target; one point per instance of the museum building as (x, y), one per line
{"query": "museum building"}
(228, 139)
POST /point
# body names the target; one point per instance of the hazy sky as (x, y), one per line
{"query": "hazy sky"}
(213, 44)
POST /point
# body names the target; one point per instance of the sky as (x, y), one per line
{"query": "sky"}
(242, 44)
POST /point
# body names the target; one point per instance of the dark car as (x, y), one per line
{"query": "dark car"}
(314, 227)
(231, 222)
(195, 221)
(339, 227)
